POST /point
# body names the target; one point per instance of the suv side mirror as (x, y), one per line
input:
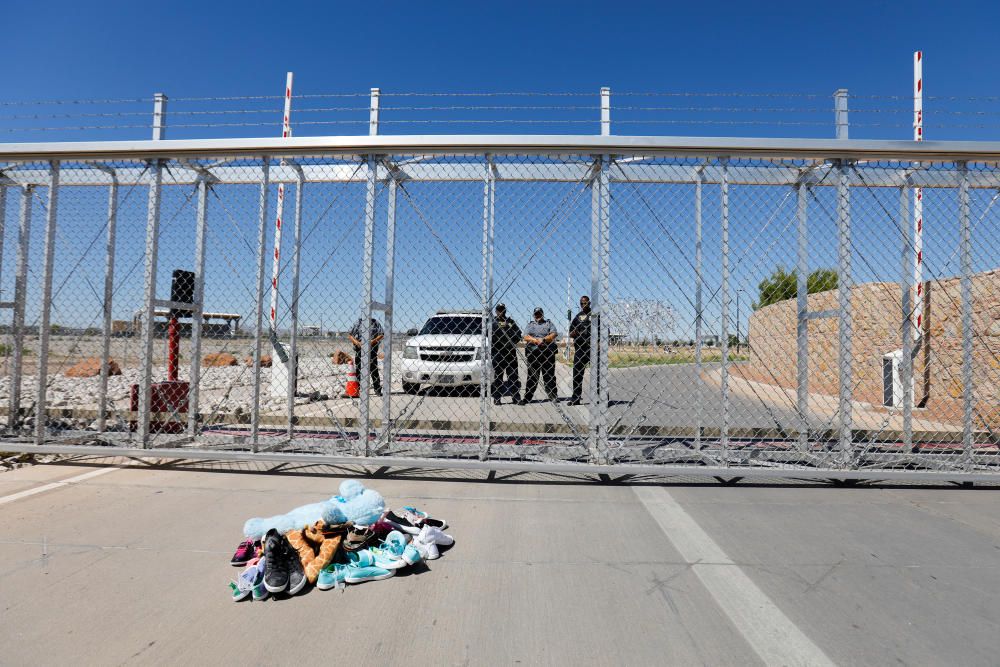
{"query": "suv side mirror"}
(411, 332)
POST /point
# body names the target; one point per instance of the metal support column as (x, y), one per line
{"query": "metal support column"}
(373, 113)
(159, 116)
(906, 281)
(149, 299)
(802, 318)
(293, 346)
(699, 315)
(593, 437)
(364, 373)
(968, 382)
(486, 303)
(603, 311)
(390, 287)
(109, 287)
(724, 195)
(20, 297)
(43, 329)
(845, 356)
(605, 111)
(197, 313)
(840, 112)
(265, 186)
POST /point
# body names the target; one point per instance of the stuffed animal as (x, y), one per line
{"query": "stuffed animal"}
(355, 503)
(316, 546)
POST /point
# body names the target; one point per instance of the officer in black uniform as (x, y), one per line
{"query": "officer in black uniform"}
(503, 353)
(377, 334)
(579, 331)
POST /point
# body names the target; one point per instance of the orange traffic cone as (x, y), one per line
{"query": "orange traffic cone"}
(353, 388)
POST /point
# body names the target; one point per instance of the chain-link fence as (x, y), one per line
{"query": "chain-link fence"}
(758, 306)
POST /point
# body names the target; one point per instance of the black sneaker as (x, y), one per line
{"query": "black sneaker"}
(276, 559)
(296, 573)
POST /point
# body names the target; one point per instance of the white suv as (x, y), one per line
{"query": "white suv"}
(446, 352)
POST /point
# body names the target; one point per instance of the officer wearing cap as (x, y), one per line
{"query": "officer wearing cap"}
(540, 350)
(503, 353)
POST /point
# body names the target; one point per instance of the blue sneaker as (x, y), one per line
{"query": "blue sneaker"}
(387, 559)
(396, 544)
(357, 574)
(332, 575)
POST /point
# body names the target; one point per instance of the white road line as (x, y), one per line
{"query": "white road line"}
(54, 485)
(775, 638)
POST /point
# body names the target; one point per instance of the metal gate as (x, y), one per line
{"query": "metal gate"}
(753, 309)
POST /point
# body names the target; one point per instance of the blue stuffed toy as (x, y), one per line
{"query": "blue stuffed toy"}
(355, 503)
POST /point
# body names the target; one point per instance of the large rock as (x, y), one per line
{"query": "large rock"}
(219, 359)
(91, 367)
(340, 358)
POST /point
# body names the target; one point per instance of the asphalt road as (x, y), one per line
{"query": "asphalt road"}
(130, 566)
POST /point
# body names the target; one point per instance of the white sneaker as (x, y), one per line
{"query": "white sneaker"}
(436, 535)
(427, 550)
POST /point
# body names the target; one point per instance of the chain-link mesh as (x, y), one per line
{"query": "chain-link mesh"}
(740, 313)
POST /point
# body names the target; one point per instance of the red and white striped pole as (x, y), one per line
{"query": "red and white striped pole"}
(918, 195)
(286, 131)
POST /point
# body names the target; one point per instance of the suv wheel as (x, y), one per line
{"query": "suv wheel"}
(410, 387)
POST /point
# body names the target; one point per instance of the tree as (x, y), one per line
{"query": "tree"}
(782, 285)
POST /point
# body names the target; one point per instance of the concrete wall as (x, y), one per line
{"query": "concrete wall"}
(877, 315)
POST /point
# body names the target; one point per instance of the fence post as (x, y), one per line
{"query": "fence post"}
(724, 193)
(149, 299)
(699, 316)
(198, 313)
(840, 112)
(846, 323)
(109, 287)
(906, 283)
(603, 310)
(486, 303)
(20, 297)
(43, 332)
(159, 116)
(390, 287)
(364, 373)
(373, 112)
(605, 111)
(265, 186)
(802, 318)
(293, 346)
(968, 382)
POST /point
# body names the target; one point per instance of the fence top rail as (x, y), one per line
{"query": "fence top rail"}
(733, 147)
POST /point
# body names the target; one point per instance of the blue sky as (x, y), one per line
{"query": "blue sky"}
(129, 50)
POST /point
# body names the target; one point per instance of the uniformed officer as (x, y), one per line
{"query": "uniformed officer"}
(540, 350)
(377, 333)
(579, 331)
(503, 353)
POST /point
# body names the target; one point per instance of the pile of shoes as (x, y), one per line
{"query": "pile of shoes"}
(331, 555)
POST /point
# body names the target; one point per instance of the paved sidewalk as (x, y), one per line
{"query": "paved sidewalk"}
(130, 566)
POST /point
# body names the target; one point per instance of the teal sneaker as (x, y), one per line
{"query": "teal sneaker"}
(387, 559)
(360, 574)
(396, 544)
(334, 574)
(250, 579)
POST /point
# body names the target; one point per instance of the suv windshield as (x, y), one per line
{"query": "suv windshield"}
(452, 325)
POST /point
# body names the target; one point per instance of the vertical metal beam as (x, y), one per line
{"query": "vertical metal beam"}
(840, 112)
(390, 288)
(373, 113)
(603, 311)
(364, 373)
(906, 282)
(593, 438)
(197, 313)
(487, 309)
(968, 382)
(43, 331)
(802, 317)
(699, 315)
(109, 287)
(265, 186)
(149, 298)
(845, 284)
(3, 222)
(724, 193)
(159, 116)
(293, 347)
(20, 297)
(605, 111)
